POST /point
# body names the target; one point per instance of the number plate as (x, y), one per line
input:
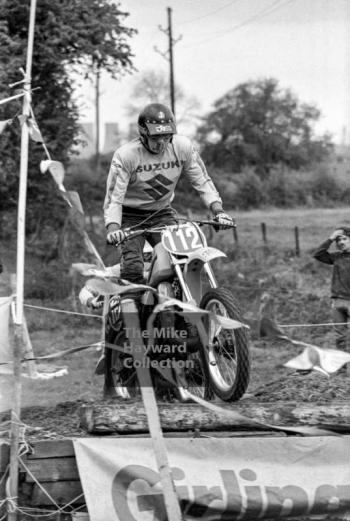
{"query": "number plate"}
(183, 238)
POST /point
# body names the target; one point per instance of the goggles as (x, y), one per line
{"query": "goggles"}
(161, 138)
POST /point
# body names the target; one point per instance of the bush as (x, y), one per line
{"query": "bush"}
(285, 188)
(324, 187)
(250, 190)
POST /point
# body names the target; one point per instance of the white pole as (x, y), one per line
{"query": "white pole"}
(18, 329)
(24, 170)
(11, 98)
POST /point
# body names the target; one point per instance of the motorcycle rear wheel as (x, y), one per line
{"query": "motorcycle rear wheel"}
(227, 357)
(118, 378)
(197, 381)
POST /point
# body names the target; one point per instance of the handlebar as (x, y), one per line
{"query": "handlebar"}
(130, 234)
(213, 223)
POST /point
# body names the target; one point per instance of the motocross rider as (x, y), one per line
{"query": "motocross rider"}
(140, 187)
(141, 184)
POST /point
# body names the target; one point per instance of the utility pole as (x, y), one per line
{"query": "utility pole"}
(171, 61)
(169, 55)
(96, 64)
(97, 119)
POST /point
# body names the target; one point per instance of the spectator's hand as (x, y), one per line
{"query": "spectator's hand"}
(224, 220)
(336, 233)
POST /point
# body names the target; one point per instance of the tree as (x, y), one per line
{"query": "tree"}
(69, 35)
(153, 87)
(259, 124)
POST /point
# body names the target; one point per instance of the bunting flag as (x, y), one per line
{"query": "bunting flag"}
(72, 198)
(56, 169)
(313, 358)
(103, 287)
(33, 128)
(34, 131)
(75, 211)
(75, 201)
(4, 123)
(326, 361)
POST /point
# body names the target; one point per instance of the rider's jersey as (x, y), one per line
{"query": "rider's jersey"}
(139, 179)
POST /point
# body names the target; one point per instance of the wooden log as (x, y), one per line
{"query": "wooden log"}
(130, 416)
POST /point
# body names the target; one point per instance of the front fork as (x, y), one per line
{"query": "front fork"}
(186, 290)
(212, 279)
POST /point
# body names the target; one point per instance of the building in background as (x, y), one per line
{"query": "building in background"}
(87, 135)
(111, 139)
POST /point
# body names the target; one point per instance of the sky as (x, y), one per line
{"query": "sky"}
(304, 44)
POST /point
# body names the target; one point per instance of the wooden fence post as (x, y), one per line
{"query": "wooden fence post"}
(235, 236)
(297, 245)
(263, 231)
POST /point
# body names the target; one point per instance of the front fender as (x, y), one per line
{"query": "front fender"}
(194, 266)
(205, 254)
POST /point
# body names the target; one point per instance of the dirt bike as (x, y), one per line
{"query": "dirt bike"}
(181, 269)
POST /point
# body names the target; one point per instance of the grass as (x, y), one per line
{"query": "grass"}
(314, 224)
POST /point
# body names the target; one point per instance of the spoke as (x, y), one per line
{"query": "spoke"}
(195, 377)
(222, 348)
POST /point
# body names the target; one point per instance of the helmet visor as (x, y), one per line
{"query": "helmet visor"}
(157, 129)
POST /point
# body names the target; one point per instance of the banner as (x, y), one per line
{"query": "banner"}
(217, 478)
(6, 355)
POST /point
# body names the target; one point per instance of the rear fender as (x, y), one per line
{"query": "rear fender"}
(161, 269)
(193, 268)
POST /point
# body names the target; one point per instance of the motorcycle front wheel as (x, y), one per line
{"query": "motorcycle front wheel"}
(226, 357)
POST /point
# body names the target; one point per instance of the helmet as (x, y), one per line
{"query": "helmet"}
(156, 125)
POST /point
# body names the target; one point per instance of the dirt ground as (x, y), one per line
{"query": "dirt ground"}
(299, 286)
(50, 409)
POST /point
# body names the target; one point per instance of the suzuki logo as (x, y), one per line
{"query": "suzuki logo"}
(158, 184)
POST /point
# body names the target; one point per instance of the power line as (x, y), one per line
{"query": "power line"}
(209, 14)
(169, 55)
(268, 10)
(264, 12)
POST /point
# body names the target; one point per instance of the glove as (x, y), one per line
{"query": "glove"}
(115, 237)
(224, 220)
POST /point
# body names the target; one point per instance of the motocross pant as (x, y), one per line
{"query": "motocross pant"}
(132, 264)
